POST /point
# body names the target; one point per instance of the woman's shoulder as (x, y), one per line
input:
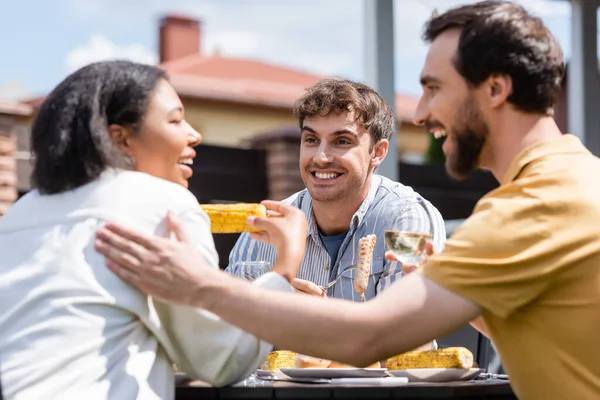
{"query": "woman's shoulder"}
(142, 187)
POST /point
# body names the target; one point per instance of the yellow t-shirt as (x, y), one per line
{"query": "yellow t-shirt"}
(529, 256)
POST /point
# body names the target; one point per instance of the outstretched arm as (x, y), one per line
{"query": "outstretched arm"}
(328, 328)
(335, 329)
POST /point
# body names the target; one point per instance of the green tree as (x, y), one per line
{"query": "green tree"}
(435, 154)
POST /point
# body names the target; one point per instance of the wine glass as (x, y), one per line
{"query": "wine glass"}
(407, 246)
(250, 270)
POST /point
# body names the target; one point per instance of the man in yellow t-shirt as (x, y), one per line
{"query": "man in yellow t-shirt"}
(529, 256)
(525, 267)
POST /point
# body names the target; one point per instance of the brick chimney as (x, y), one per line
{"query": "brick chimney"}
(179, 36)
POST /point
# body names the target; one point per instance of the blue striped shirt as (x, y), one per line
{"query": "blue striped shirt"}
(385, 200)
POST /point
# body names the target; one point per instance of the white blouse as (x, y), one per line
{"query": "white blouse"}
(70, 328)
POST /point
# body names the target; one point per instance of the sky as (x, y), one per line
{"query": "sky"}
(41, 42)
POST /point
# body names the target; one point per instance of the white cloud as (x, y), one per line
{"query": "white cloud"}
(233, 43)
(14, 90)
(319, 37)
(99, 49)
(322, 37)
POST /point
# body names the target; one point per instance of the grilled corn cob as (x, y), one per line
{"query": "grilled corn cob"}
(231, 218)
(279, 359)
(451, 357)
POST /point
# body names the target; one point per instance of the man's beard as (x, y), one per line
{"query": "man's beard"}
(470, 133)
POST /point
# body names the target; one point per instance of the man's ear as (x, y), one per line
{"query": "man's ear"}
(380, 150)
(119, 136)
(499, 88)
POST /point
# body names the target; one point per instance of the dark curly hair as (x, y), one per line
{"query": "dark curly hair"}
(500, 37)
(337, 95)
(69, 138)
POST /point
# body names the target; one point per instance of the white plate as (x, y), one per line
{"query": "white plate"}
(265, 372)
(331, 373)
(436, 374)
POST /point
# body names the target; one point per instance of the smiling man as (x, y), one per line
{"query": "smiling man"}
(345, 130)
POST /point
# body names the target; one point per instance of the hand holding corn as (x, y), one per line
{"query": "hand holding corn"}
(286, 230)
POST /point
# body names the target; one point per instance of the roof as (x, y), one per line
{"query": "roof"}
(247, 81)
(251, 82)
(15, 108)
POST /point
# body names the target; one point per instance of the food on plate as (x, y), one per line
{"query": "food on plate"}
(335, 364)
(288, 359)
(279, 359)
(231, 218)
(451, 357)
(366, 245)
(303, 361)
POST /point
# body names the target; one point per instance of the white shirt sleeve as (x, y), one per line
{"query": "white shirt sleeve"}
(199, 342)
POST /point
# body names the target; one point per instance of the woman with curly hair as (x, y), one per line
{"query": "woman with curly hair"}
(109, 142)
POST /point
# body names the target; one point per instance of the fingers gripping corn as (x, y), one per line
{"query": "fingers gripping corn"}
(366, 245)
(451, 357)
(231, 218)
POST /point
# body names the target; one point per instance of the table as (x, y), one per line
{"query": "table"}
(477, 389)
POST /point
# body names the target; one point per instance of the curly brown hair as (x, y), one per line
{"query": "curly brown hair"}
(337, 95)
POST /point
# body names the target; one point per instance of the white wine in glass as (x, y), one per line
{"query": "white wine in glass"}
(408, 247)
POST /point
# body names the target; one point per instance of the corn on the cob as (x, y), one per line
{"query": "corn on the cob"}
(279, 359)
(231, 218)
(451, 357)
(366, 245)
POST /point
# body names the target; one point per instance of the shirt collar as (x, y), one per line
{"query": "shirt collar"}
(358, 216)
(565, 144)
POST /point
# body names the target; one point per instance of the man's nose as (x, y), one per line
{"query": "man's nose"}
(322, 156)
(421, 113)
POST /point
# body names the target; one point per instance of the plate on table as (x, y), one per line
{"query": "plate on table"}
(436, 374)
(265, 372)
(332, 373)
